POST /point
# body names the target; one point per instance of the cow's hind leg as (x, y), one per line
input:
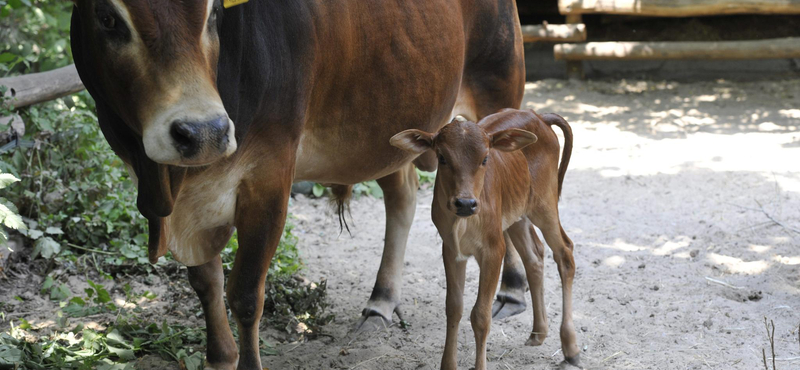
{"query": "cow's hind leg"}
(399, 196)
(511, 297)
(208, 282)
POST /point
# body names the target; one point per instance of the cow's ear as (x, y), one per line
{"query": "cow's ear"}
(158, 184)
(414, 141)
(512, 139)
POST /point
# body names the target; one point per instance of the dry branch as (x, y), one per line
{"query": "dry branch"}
(554, 33)
(41, 87)
(782, 48)
(679, 8)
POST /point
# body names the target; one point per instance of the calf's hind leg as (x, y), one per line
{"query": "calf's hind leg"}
(531, 250)
(547, 220)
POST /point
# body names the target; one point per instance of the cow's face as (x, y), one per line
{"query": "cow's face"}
(155, 62)
(463, 149)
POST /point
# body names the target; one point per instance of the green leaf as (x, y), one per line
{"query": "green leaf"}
(10, 219)
(318, 190)
(60, 293)
(7, 57)
(193, 362)
(54, 230)
(7, 179)
(47, 247)
(122, 353)
(10, 356)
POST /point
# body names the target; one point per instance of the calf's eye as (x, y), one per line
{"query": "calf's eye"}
(485, 159)
(109, 22)
(441, 159)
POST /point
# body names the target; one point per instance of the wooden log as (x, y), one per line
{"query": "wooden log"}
(575, 68)
(41, 87)
(554, 33)
(758, 49)
(679, 8)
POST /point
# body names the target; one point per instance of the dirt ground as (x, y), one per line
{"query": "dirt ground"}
(683, 200)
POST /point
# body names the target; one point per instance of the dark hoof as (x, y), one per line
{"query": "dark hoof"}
(506, 306)
(574, 360)
(372, 320)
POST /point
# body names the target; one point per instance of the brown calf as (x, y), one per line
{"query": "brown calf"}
(490, 179)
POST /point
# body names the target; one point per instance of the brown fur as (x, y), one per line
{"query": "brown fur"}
(508, 163)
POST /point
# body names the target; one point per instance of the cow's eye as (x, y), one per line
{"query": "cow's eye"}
(441, 159)
(108, 21)
(485, 159)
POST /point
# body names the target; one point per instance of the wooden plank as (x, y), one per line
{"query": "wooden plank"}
(759, 49)
(41, 87)
(678, 8)
(554, 33)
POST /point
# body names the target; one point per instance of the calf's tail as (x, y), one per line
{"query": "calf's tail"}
(553, 119)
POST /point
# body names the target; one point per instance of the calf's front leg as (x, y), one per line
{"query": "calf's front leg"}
(455, 273)
(490, 260)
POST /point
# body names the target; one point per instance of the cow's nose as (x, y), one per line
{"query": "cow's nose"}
(465, 206)
(192, 137)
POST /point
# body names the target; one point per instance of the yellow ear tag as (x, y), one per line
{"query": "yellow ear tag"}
(230, 3)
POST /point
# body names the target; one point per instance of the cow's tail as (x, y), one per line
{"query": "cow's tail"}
(553, 119)
(340, 200)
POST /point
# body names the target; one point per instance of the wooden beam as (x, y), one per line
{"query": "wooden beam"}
(757, 49)
(678, 8)
(41, 87)
(554, 33)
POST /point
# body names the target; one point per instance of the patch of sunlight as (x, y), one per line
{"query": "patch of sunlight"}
(569, 98)
(602, 111)
(706, 98)
(739, 266)
(670, 247)
(300, 216)
(43, 324)
(785, 182)
(614, 261)
(795, 260)
(759, 248)
(770, 126)
(124, 304)
(790, 113)
(619, 245)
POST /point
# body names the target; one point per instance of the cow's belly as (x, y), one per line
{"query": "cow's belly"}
(203, 217)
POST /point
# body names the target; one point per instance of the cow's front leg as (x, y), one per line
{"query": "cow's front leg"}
(208, 282)
(400, 197)
(260, 216)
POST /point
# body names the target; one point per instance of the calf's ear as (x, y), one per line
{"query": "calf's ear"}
(414, 141)
(512, 139)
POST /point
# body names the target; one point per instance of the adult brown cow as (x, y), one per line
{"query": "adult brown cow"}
(218, 112)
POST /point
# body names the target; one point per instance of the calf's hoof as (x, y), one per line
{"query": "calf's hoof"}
(507, 306)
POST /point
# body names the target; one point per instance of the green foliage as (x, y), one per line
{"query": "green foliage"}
(296, 305)
(34, 35)
(9, 216)
(286, 261)
(426, 177)
(74, 190)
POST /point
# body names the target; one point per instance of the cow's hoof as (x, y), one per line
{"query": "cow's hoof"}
(536, 339)
(574, 360)
(506, 306)
(219, 366)
(374, 320)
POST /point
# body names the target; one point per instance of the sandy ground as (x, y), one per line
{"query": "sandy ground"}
(677, 263)
(683, 200)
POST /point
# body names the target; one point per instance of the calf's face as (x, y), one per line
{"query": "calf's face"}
(154, 62)
(464, 152)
